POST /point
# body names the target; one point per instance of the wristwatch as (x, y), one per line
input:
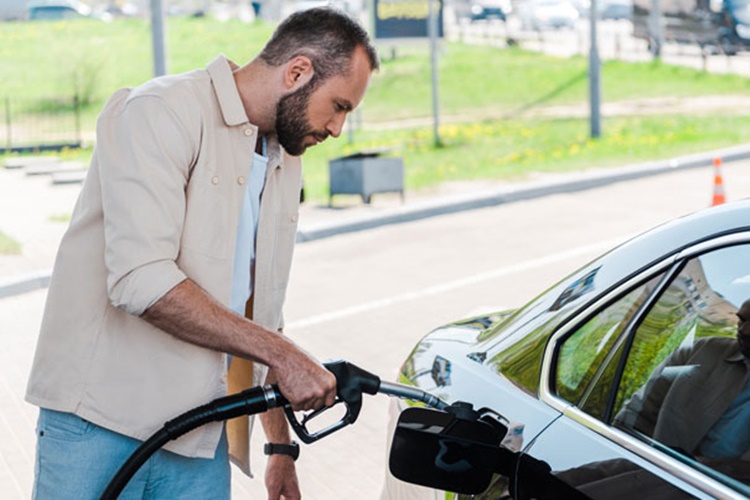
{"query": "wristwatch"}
(291, 449)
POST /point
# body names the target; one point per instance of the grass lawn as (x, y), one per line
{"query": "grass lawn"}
(501, 95)
(8, 245)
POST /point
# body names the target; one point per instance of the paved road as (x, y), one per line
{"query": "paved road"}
(369, 296)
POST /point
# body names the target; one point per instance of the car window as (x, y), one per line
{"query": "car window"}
(587, 358)
(520, 357)
(685, 386)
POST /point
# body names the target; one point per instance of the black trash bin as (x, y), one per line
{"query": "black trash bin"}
(365, 174)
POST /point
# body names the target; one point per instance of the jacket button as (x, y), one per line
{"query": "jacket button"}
(240, 180)
(294, 217)
(215, 180)
(248, 132)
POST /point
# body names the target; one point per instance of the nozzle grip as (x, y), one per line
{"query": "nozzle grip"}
(351, 382)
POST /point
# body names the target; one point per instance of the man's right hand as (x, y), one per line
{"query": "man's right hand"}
(303, 381)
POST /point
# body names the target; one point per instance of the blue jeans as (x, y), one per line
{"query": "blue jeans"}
(76, 459)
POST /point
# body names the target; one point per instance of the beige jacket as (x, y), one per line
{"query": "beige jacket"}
(161, 202)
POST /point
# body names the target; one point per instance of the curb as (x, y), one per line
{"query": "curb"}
(24, 283)
(523, 191)
(567, 183)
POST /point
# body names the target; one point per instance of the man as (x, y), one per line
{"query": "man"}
(698, 400)
(171, 249)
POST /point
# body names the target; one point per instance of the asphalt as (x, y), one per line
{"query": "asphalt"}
(26, 274)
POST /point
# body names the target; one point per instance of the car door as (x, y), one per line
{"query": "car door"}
(652, 386)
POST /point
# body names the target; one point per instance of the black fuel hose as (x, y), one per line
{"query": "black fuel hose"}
(250, 402)
(351, 383)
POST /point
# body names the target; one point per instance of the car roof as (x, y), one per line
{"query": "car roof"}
(676, 235)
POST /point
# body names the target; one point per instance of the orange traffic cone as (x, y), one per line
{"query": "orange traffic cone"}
(719, 196)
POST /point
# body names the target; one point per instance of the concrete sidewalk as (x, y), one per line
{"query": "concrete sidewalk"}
(33, 211)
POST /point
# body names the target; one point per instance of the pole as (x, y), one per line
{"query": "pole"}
(654, 29)
(157, 38)
(433, 32)
(594, 75)
(77, 111)
(8, 125)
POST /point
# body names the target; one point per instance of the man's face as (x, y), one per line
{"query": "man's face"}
(743, 328)
(315, 111)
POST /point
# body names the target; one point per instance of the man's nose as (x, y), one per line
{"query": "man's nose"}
(336, 125)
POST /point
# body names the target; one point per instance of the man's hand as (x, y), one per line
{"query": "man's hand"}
(281, 478)
(304, 382)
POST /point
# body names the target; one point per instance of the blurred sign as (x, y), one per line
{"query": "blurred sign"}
(405, 18)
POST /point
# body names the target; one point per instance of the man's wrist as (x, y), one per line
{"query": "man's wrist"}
(291, 449)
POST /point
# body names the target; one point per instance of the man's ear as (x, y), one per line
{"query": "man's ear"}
(298, 72)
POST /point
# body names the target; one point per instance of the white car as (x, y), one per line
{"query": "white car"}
(540, 15)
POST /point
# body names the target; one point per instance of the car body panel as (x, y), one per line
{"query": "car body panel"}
(598, 452)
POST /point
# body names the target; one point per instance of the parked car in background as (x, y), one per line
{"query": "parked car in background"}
(483, 10)
(572, 371)
(54, 10)
(614, 9)
(540, 15)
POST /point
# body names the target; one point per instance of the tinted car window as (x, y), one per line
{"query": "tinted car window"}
(588, 358)
(684, 386)
(520, 355)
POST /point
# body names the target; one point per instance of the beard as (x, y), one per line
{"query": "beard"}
(292, 125)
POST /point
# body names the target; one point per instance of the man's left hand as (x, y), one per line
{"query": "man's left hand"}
(281, 478)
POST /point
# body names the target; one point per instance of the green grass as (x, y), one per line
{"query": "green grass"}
(60, 217)
(8, 246)
(513, 149)
(500, 94)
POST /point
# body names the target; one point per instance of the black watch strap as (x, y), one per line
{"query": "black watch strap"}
(291, 449)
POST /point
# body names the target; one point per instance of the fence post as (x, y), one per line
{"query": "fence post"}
(77, 111)
(8, 134)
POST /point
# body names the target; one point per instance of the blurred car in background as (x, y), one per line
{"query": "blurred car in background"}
(568, 371)
(614, 9)
(483, 10)
(63, 10)
(540, 15)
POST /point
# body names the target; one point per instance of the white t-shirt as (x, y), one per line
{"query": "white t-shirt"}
(244, 253)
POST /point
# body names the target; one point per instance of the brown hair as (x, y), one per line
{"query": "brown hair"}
(325, 35)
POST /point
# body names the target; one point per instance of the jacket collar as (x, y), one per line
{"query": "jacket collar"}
(220, 71)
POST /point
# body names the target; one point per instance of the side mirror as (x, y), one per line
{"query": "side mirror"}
(456, 449)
